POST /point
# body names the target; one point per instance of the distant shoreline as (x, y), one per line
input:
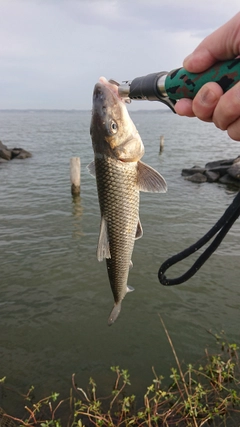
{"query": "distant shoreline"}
(45, 110)
(41, 110)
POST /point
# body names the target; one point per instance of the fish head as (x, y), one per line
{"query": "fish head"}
(112, 130)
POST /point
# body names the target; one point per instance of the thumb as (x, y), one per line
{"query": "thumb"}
(222, 44)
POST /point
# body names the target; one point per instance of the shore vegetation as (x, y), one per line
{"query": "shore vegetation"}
(206, 393)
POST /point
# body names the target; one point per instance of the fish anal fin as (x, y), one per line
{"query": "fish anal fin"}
(91, 168)
(103, 250)
(139, 231)
(150, 180)
(114, 313)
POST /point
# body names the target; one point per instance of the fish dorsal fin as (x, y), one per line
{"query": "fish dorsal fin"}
(139, 231)
(150, 180)
(103, 250)
(91, 168)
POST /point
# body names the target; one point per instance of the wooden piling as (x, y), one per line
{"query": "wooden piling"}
(161, 144)
(75, 169)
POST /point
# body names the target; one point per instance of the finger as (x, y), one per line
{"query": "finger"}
(184, 107)
(221, 45)
(228, 109)
(206, 100)
(200, 60)
(234, 130)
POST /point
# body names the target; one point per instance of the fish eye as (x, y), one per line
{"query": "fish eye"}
(113, 126)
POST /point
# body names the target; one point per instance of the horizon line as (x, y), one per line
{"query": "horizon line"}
(75, 110)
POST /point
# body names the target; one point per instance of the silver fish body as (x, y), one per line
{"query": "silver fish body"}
(120, 175)
(119, 205)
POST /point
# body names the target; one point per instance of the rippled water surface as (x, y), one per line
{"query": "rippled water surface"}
(54, 295)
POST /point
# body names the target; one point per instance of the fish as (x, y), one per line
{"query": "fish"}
(120, 176)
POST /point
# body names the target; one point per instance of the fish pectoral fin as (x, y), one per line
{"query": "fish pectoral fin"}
(91, 168)
(114, 313)
(130, 289)
(103, 249)
(150, 180)
(139, 231)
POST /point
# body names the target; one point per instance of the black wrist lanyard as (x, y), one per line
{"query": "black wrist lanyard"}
(221, 227)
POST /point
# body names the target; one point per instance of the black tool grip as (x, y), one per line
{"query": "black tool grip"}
(145, 87)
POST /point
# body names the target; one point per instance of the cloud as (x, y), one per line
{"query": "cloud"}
(53, 51)
(170, 15)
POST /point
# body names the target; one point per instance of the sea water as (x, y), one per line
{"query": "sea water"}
(55, 297)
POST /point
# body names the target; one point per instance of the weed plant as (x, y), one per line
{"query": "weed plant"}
(204, 395)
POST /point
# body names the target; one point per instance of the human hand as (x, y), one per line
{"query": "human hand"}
(211, 104)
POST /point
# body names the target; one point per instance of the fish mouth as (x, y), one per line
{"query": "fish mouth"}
(111, 86)
(105, 96)
(104, 88)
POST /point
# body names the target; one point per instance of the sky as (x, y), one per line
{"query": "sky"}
(52, 52)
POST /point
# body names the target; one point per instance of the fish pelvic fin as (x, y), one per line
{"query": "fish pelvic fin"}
(139, 231)
(91, 169)
(103, 250)
(150, 180)
(114, 313)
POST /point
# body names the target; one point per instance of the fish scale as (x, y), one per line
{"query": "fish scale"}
(119, 201)
(120, 176)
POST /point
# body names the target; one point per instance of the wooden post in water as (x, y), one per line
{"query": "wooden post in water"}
(161, 144)
(75, 175)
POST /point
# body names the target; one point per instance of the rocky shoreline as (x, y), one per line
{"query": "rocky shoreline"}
(7, 154)
(224, 171)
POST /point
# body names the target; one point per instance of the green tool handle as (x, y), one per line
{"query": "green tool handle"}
(180, 83)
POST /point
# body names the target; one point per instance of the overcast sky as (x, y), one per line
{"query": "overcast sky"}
(52, 52)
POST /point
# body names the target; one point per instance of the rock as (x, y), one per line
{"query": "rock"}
(3, 146)
(14, 153)
(218, 163)
(234, 170)
(228, 180)
(5, 153)
(20, 153)
(212, 176)
(192, 171)
(226, 171)
(222, 170)
(237, 160)
(197, 177)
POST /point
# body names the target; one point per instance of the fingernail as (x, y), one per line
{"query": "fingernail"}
(187, 59)
(207, 96)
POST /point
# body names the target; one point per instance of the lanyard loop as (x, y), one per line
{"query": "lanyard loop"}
(222, 227)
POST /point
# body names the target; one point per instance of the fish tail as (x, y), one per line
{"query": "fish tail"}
(114, 313)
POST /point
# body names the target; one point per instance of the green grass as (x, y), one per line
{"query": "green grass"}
(206, 394)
